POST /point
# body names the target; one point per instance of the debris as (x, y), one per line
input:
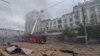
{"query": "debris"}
(26, 51)
(9, 44)
(13, 49)
(16, 49)
(1, 54)
(69, 51)
(44, 55)
(10, 49)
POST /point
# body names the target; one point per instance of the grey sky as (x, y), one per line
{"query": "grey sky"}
(12, 16)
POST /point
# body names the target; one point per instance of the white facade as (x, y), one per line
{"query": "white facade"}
(72, 20)
(69, 20)
(91, 11)
(54, 25)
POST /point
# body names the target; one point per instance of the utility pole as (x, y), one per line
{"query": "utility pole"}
(84, 23)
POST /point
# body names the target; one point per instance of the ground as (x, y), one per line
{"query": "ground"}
(53, 49)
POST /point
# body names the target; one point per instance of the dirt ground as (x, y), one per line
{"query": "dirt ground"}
(53, 49)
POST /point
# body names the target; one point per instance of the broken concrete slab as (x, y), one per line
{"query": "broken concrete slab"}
(16, 49)
(10, 49)
(13, 49)
(26, 51)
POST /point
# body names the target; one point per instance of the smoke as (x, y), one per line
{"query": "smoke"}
(41, 4)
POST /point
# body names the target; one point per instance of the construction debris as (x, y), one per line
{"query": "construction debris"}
(69, 51)
(16, 49)
(11, 49)
(26, 51)
(55, 49)
(44, 55)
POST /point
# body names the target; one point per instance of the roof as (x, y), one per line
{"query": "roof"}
(87, 3)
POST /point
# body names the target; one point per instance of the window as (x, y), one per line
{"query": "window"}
(54, 22)
(59, 26)
(99, 16)
(93, 19)
(43, 28)
(98, 7)
(92, 10)
(65, 20)
(76, 17)
(70, 19)
(54, 27)
(59, 21)
(77, 22)
(46, 24)
(76, 12)
(47, 28)
(71, 24)
(65, 25)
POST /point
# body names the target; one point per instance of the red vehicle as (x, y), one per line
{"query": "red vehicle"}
(38, 38)
(33, 38)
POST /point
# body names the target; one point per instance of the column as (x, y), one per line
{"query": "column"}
(88, 15)
(96, 9)
(81, 15)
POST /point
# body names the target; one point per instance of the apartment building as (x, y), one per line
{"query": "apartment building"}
(90, 9)
(55, 25)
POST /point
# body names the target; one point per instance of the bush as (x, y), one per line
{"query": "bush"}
(92, 30)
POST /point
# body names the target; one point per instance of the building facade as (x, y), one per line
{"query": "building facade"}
(55, 25)
(90, 9)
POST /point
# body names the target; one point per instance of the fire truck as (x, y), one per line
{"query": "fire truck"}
(31, 37)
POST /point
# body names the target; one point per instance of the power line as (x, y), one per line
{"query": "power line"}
(6, 1)
(52, 6)
(55, 4)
